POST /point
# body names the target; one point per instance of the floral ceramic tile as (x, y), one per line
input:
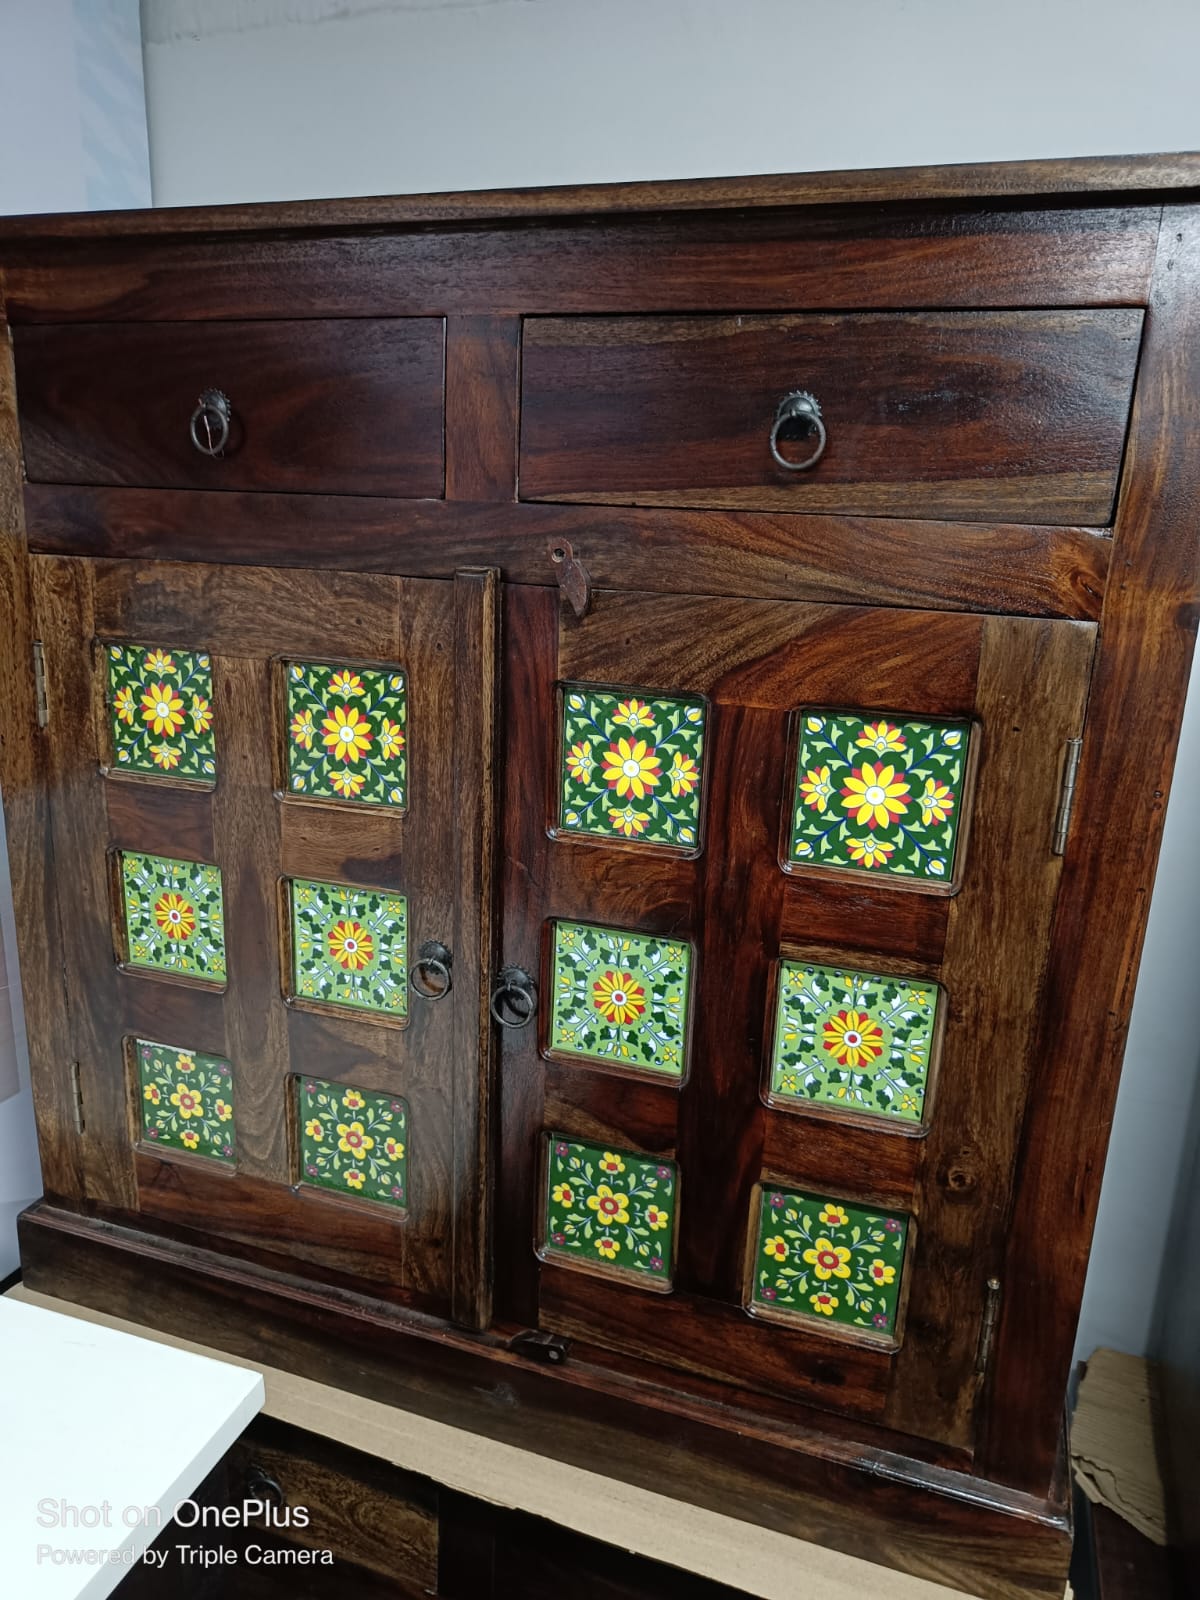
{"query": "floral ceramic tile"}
(186, 1099)
(347, 733)
(620, 997)
(350, 947)
(174, 917)
(353, 1141)
(860, 1041)
(828, 1260)
(878, 796)
(610, 1210)
(160, 712)
(631, 766)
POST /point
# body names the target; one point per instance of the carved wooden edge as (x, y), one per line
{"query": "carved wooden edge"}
(26, 800)
(1139, 175)
(932, 1522)
(1008, 568)
(1147, 635)
(476, 670)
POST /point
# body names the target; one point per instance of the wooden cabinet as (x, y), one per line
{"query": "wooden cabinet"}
(581, 852)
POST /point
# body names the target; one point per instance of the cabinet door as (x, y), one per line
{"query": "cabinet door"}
(269, 799)
(784, 876)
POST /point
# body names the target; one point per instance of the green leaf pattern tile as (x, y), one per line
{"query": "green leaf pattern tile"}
(631, 766)
(348, 733)
(620, 997)
(160, 712)
(353, 1141)
(835, 1263)
(186, 1100)
(878, 796)
(174, 916)
(350, 947)
(610, 1210)
(859, 1041)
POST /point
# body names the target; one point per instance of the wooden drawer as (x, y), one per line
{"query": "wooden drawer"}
(1012, 415)
(352, 407)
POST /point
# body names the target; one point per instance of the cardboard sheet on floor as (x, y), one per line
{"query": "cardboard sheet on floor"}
(1112, 1441)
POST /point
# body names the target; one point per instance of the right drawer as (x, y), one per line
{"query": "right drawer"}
(984, 416)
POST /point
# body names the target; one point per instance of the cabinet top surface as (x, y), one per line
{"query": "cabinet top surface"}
(1133, 177)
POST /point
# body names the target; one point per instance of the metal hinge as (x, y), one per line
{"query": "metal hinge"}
(39, 683)
(991, 1315)
(77, 1097)
(1066, 797)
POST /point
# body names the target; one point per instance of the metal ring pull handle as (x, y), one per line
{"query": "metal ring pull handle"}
(433, 961)
(516, 994)
(210, 423)
(799, 410)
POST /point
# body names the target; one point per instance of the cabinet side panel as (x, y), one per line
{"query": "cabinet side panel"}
(27, 818)
(1147, 636)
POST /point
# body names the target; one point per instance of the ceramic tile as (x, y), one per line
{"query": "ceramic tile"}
(186, 1099)
(174, 918)
(835, 1263)
(160, 712)
(860, 1041)
(631, 766)
(348, 733)
(350, 947)
(878, 795)
(620, 997)
(353, 1141)
(610, 1210)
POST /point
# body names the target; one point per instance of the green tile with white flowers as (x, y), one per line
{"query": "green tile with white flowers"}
(872, 795)
(186, 1099)
(830, 1261)
(347, 733)
(631, 766)
(160, 712)
(350, 947)
(174, 916)
(610, 1210)
(353, 1141)
(860, 1041)
(620, 997)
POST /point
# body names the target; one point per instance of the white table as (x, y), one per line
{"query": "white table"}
(102, 1434)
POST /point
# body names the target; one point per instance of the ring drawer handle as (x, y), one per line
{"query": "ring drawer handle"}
(515, 992)
(433, 960)
(211, 422)
(802, 408)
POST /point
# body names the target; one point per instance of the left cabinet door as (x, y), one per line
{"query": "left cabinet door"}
(272, 855)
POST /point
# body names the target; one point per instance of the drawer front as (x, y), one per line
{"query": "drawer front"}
(1017, 416)
(353, 407)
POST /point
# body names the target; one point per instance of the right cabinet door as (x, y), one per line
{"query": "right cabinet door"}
(783, 875)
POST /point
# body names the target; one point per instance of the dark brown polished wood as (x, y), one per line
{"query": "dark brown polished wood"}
(1003, 529)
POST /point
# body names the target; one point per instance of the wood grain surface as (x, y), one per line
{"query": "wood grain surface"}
(348, 408)
(1017, 416)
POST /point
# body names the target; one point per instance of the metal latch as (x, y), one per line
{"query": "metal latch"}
(539, 1346)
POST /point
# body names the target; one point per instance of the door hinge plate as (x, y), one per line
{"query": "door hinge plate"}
(77, 1098)
(39, 683)
(1066, 796)
(987, 1332)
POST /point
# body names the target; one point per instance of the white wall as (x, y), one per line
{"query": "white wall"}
(72, 137)
(277, 99)
(249, 102)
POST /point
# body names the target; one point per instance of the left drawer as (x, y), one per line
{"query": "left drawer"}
(343, 407)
